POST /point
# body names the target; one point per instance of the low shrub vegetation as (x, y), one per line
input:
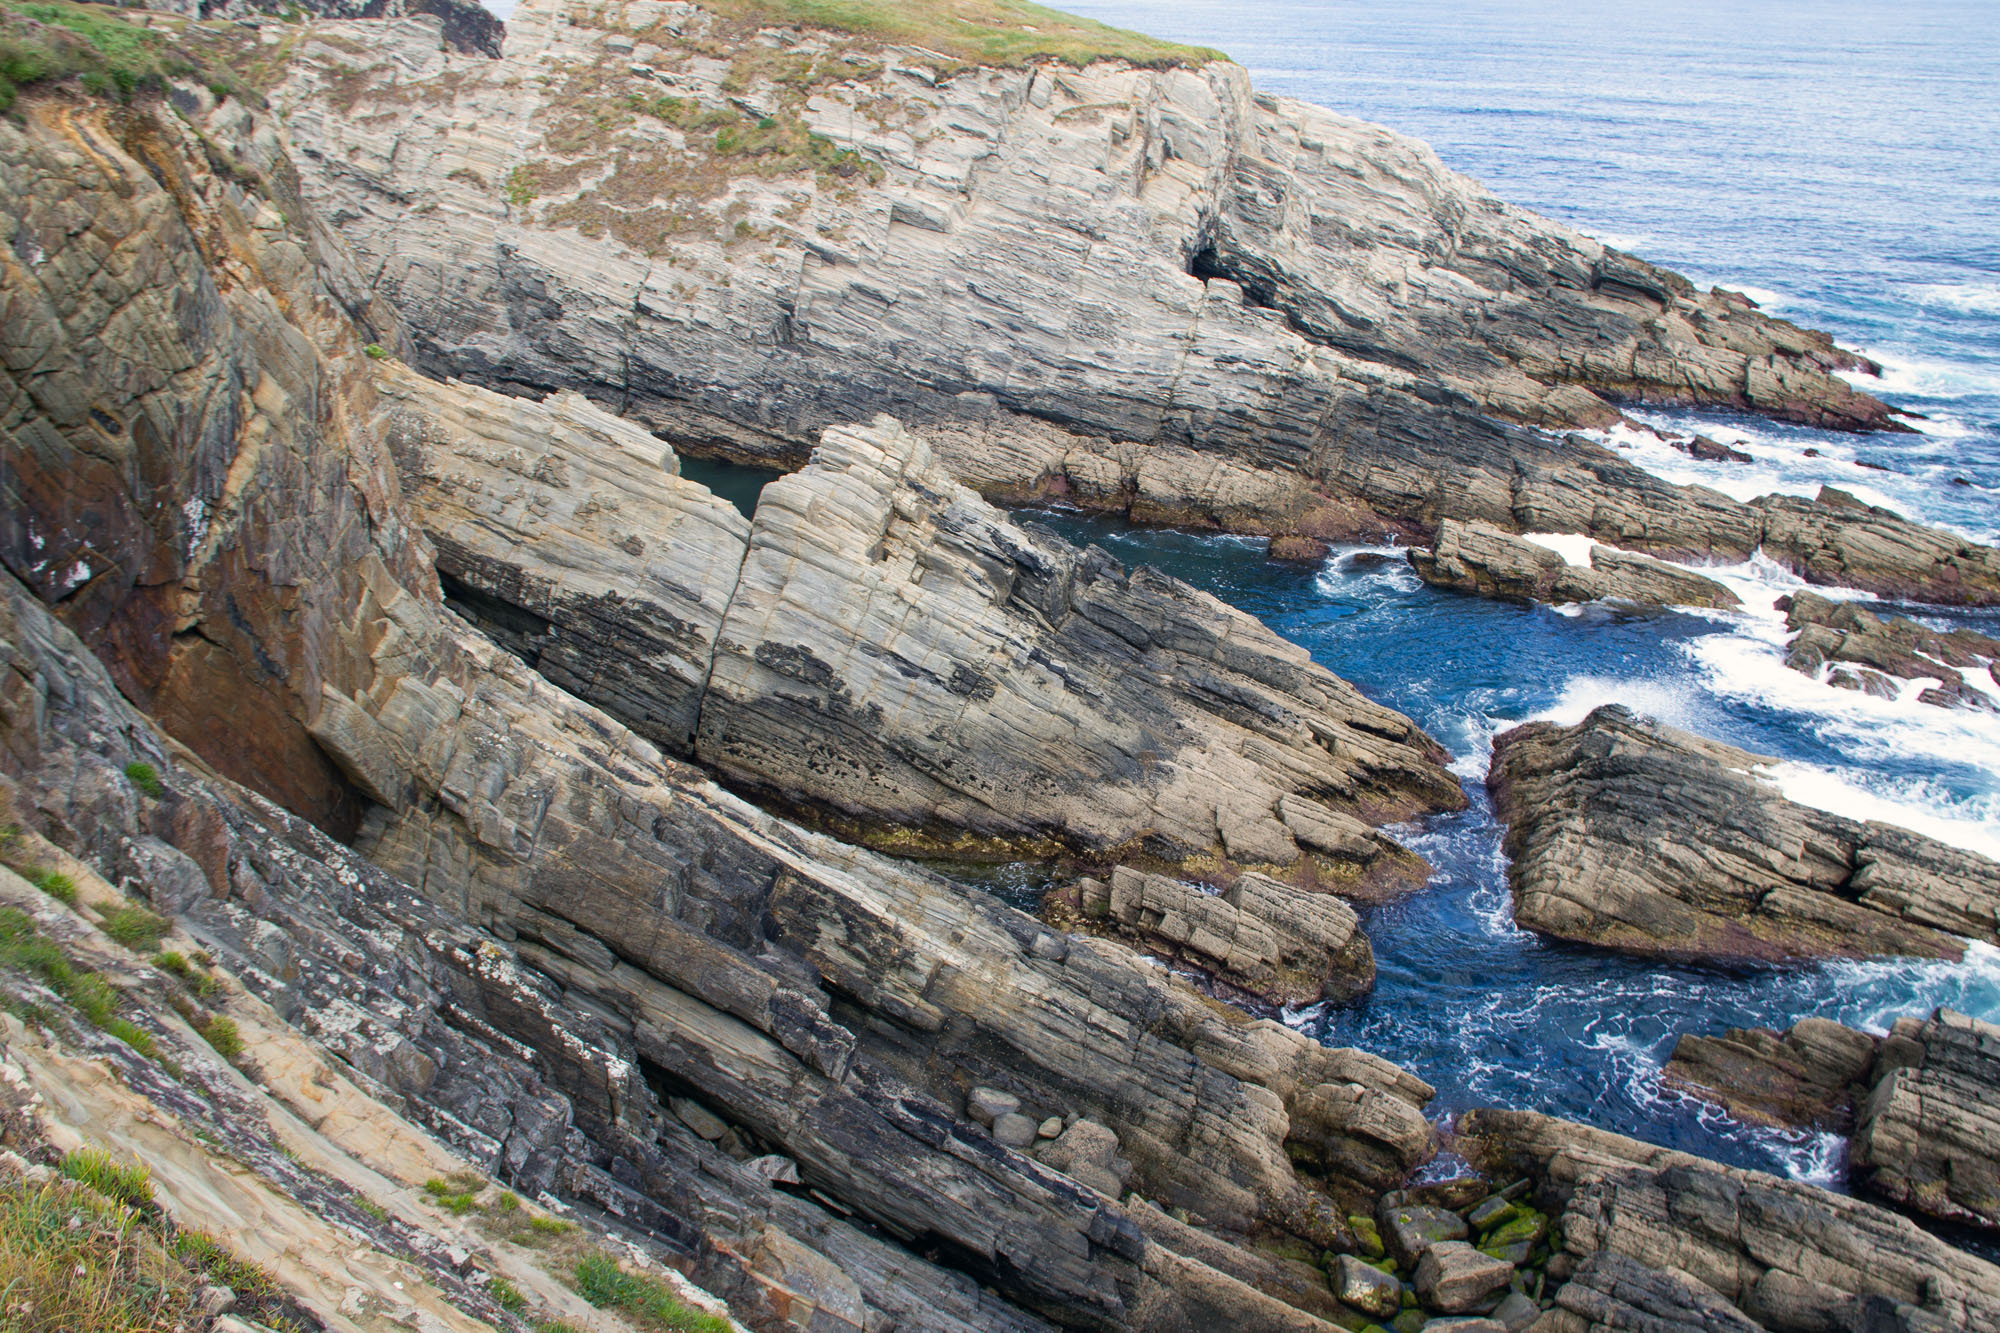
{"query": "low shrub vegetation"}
(55, 41)
(146, 778)
(136, 928)
(647, 1301)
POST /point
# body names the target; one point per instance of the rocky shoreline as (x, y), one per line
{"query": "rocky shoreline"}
(426, 718)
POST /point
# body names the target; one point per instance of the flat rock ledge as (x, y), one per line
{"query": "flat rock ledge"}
(882, 647)
(1480, 558)
(1852, 648)
(1652, 1239)
(1639, 837)
(1922, 1104)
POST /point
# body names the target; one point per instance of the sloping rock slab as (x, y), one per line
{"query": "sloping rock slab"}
(1480, 558)
(1638, 837)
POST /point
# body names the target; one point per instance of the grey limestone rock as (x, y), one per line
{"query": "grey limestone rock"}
(1454, 1277)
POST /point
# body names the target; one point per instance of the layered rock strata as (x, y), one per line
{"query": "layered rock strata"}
(1154, 291)
(1919, 1102)
(1638, 837)
(1654, 1239)
(1480, 558)
(881, 644)
(1280, 944)
(557, 933)
(1855, 649)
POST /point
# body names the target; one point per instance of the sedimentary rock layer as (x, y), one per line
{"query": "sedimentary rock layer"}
(1659, 1240)
(1859, 650)
(1155, 291)
(558, 933)
(1919, 1102)
(1480, 558)
(883, 645)
(1646, 839)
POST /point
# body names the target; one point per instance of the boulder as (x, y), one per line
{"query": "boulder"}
(1928, 1134)
(1411, 1229)
(1639, 837)
(1366, 1287)
(1454, 1277)
(1806, 1077)
(1882, 650)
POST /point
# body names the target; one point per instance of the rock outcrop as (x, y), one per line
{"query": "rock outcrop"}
(883, 647)
(1859, 650)
(1480, 558)
(1654, 1239)
(1149, 290)
(570, 955)
(1919, 1102)
(1280, 944)
(1642, 838)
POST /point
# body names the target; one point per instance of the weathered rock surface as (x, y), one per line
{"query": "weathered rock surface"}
(1846, 635)
(1660, 1240)
(1920, 1103)
(1454, 1277)
(557, 932)
(1928, 1134)
(1282, 944)
(882, 645)
(1807, 1076)
(1642, 838)
(1480, 558)
(1155, 291)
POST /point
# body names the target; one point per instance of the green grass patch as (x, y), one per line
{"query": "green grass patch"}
(52, 882)
(136, 928)
(376, 352)
(146, 778)
(71, 1258)
(648, 1301)
(223, 1035)
(977, 32)
(25, 949)
(252, 1283)
(129, 1183)
(457, 1194)
(507, 1296)
(52, 42)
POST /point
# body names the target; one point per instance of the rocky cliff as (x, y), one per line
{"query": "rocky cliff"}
(1151, 290)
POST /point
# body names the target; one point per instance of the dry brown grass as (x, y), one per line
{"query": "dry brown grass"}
(71, 1259)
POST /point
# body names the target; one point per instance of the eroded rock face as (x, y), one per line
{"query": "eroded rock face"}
(1657, 1239)
(1480, 558)
(1124, 287)
(1919, 1102)
(1868, 652)
(558, 932)
(1642, 838)
(883, 646)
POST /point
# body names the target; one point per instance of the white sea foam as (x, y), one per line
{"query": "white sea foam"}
(1665, 702)
(1571, 546)
(1973, 298)
(1628, 241)
(1924, 377)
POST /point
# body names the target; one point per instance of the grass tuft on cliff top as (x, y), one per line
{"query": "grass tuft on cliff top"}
(978, 32)
(53, 41)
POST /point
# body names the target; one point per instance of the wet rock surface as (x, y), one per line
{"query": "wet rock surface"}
(1635, 836)
(1479, 558)
(1854, 648)
(1919, 1103)
(1187, 338)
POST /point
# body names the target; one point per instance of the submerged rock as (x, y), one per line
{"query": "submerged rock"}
(1896, 646)
(1638, 837)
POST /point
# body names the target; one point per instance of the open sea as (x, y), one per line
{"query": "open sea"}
(1837, 160)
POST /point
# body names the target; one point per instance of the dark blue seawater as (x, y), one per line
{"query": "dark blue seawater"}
(1839, 161)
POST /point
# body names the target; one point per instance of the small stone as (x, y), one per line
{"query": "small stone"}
(704, 1122)
(776, 1168)
(1527, 1225)
(1414, 1228)
(1516, 1311)
(1050, 1128)
(1491, 1213)
(1367, 1236)
(1014, 1129)
(987, 1105)
(1409, 1321)
(1513, 1252)
(1474, 1325)
(214, 1302)
(1454, 1277)
(1365, 1287)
